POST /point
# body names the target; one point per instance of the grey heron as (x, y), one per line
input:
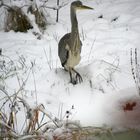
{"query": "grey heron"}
(69, 47)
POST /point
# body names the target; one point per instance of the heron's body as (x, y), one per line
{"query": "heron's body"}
(69, 47)
(68, 58)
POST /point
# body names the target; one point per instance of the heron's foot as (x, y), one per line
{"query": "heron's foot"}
(75, 77)
(78, 78)
(73, 81)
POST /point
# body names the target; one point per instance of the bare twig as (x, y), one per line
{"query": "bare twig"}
(2, 4)
(135, 69)
(29, 137)
(47, 59)
(34, 81)
(55, 7)
(91, 48)
(42, 109)
(6, 93)
(13, 133)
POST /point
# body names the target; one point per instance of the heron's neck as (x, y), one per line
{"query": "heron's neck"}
(74, 23)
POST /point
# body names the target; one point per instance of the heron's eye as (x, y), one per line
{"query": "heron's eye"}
(79, 3)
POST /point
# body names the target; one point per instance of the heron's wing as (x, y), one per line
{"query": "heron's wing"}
(63, 48)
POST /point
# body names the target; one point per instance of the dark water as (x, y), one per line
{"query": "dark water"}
(128, 135)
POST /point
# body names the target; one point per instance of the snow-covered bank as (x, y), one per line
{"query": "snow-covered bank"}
(108, 84)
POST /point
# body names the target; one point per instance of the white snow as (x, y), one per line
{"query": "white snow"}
(105, 65)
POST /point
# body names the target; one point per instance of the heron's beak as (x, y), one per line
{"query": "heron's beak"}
(84, 7)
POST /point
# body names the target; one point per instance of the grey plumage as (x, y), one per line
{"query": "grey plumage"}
(62, 51)
(69, 47)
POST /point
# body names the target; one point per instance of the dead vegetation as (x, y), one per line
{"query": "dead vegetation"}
(17, 20)
(40, 18)
(135, 68)
(28, 16)
(19, 120)
(38, 123)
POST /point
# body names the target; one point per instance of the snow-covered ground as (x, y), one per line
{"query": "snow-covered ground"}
(105, 66)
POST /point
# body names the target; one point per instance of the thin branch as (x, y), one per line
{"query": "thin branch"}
(47, 59)
(55, 7)
(45, 112)
(29, 137)
(5, 5)
(6, 93)
(135, 68)
(13, 133)
(91, 47)
(35, 86)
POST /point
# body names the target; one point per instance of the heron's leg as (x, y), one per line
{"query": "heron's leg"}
(78, 76)
(72, 78)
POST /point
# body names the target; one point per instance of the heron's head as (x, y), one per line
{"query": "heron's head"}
(78, 5)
